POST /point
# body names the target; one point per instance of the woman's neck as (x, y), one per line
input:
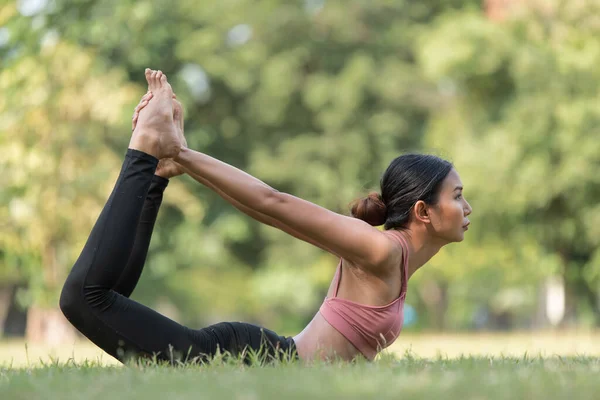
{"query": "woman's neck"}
(421, 248)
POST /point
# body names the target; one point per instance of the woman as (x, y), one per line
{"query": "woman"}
(421, 206)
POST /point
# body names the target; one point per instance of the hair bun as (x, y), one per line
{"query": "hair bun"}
(370, 209)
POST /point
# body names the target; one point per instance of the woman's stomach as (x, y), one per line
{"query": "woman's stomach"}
(321, 341)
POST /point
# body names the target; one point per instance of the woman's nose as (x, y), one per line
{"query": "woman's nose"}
(468, 209)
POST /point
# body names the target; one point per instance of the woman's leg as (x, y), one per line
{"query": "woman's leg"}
(252, 342)
(115, 323)
(133, 270)
(123, 327)
(118, 325)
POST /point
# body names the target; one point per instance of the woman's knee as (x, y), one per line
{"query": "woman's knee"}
(77, 298)
(71, 298)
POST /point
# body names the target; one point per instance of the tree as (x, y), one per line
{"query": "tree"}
(64, 108)
(316, 98)
(520, 118)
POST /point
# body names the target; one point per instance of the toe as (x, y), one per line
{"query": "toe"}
(165, 85)
(163, 80)
(153, 81)
(148, 73)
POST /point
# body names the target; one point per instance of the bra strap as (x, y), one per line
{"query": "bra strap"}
(337, 278)
(404, 267)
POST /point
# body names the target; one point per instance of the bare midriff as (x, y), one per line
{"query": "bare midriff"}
(321, 341)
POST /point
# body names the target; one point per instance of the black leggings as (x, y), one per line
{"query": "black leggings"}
(95, 297)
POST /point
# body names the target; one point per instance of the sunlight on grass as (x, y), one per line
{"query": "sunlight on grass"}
(407, 377)
(495, 344)
(476, 366)
(17, 354)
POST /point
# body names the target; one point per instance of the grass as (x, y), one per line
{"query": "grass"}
(567, 370)
(405, 378)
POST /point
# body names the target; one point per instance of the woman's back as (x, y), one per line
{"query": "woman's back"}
(362, 306)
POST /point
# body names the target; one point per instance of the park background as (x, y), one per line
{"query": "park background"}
(315, 97)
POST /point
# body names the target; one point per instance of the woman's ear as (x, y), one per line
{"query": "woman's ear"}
(421, 212)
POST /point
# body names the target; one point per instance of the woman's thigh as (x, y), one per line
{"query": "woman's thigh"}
(252, 342)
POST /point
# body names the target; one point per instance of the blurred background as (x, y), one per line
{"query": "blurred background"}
(315, 97)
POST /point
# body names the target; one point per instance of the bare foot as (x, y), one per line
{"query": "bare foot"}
(155, 133)
(167, 167)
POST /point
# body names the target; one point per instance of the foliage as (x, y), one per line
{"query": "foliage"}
(315, 98)
(524, 112)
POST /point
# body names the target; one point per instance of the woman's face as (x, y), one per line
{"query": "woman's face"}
(448, 217)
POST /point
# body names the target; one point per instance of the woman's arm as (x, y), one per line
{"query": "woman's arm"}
(348, 237)
(255, 214)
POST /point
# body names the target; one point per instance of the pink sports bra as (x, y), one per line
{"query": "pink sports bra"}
(369, 328)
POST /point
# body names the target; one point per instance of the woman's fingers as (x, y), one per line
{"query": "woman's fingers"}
(139, 107)
(143, 103)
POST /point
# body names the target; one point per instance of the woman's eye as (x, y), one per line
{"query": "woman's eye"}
(459, 197)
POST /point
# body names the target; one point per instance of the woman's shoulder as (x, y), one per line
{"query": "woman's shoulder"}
(396, 236)
(389, 261)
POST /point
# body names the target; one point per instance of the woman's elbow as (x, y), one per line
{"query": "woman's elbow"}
(271, 202)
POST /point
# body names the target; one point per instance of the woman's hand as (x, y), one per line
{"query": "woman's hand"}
(167, 168)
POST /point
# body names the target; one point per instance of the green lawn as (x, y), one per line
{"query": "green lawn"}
(405, 378)
(552, 370)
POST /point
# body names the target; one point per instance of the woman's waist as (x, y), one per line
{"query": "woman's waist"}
(369, 328)
(320, 340)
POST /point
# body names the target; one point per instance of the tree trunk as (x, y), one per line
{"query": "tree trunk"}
(586, 294)
(14, 318)
(577, 289)
(48, 326)
(435, 296)
(6, 295)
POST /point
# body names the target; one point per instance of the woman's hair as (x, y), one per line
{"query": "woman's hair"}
(408, 179)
